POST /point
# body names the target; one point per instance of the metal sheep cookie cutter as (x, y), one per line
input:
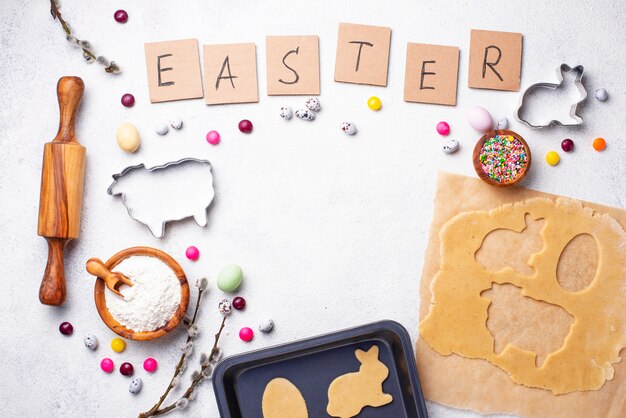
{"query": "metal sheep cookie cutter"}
(563, 73)
(158, 195)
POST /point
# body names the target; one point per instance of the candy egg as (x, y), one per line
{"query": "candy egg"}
(229, 278)
(239, 303)
(192, 253)
(246, 334)
(567, 145)
(127, 369)
(374, 103)
(599, 144)
(127, 137)
(313, 104)
(213, 137)
(150, 365)
(443, 128)
(107, 365)
(266, 326)
(224, 307)
(176, 123)
(118, 345)
(451, 146)
(245, 126)
(503, 123)
(128, 100)
(552, 158)
(305, 114)
(66, 328)
(286, 112)
(348, 128)
(90, 341)
(161, 129)
(120, 16)
(602, 94)
(135, 385)
(480, 119)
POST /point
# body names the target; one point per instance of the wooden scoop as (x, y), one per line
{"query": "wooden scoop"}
(113, 279)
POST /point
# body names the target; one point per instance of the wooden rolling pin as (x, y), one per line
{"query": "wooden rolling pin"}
(60, 201)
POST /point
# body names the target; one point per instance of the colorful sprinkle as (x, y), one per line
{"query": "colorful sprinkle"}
(503, 158)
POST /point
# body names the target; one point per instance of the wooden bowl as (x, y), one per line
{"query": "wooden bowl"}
(478, 167)
(121, 330)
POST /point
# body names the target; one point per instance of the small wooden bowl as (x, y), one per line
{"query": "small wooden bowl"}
(118, 328)
(479, 146)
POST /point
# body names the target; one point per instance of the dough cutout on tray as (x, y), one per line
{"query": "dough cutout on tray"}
(457, 320)
(349, 393)
(281, 399)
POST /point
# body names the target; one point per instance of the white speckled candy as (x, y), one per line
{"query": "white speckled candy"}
(451, 146)
(503, 123)
(176, 123)
(348, 127)
(161, 129)
(602, 94)
(128, 137)
(266, 326)
(135, 385)
(286, 112)
(90, 341)
(224, 307)
(305, 114)
(313, 104)
(480, 119)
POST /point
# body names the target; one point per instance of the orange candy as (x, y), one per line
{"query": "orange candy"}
(599, 144)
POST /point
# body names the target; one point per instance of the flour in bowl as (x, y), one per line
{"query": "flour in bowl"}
(153, 298)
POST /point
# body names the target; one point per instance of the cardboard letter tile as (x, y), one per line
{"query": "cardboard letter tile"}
(230, 74)
(431, 74)
(362, 54)
(173, 70)
(293, 65)
(495, 60)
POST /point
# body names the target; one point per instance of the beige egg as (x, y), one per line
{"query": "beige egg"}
(281, 399)
(128, 137)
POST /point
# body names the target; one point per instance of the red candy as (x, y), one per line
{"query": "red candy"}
(239, 303)
(245, 126)
(246, 334)
(66, 328)
(192, 253)
(443, 128)
(128, 100)
(150, 365)
(567, 145)
(127, 369)
(107, 365)
(120, 16)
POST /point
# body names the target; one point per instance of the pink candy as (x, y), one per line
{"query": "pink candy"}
(443, 128)
(213, 137)
(150, 365)
(246, 334)
(107, 365)
(192, 253)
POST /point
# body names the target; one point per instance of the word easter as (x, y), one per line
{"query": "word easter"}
(230, 71)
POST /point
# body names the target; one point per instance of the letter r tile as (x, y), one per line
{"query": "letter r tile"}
(495, 61)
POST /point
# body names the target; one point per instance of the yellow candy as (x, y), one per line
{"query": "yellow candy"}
(374, 103)
(118, 345)
(552, 158)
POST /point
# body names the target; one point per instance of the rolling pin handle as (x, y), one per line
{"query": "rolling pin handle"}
(52, 290)
(70, 93)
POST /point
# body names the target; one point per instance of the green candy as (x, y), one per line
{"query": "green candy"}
(230, 278)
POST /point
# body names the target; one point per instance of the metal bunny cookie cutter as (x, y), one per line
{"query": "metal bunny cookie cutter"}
(170, 192)
(569, 80)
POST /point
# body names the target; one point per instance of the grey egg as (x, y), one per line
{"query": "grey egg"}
(286, 112)
(135, 385)
(224, 307)
(266, 326)
(313, 104)
(349, 128)
(305, 114)
(503, 123)
(176, 123)
(90, 341)
(451, 146)
(602, 94)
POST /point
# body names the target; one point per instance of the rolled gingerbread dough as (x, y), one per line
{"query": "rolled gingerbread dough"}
(475, 383)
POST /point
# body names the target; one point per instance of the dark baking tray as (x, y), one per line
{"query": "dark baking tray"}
(312, 364)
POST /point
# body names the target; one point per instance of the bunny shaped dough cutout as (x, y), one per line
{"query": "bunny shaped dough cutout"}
(348, 394)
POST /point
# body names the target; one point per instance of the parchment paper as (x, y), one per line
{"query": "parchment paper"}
(477, 384)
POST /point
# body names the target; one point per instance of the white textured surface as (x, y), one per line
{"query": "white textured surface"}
(330, 230)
